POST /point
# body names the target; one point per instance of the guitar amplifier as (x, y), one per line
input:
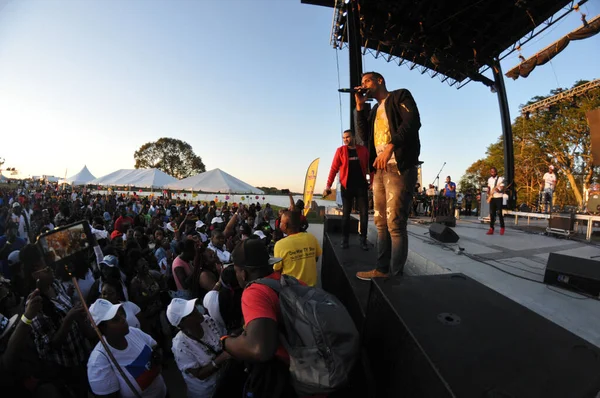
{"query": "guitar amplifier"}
(564, 222)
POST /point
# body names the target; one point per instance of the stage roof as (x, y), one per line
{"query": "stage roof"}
(457, 39)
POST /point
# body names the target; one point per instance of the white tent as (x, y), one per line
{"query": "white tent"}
(141, 178)
(215, 181)
(82, 178)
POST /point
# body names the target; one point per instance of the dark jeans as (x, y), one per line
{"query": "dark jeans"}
(361, 196)
(496, 206)
(392, 196)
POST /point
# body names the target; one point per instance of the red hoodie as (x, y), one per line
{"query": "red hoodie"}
(340, 162)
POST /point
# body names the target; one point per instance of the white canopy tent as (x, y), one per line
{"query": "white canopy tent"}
(215, 180)
(140, 178)
(82, 178)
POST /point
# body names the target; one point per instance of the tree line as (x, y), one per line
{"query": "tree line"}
(558, 135)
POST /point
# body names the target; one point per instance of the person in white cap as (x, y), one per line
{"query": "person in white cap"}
(197, 347)
(549, 187)
(136, 353)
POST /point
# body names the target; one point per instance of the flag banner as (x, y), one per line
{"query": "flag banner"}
(309, 184)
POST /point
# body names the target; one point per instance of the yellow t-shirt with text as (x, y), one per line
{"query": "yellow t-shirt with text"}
(299, 253)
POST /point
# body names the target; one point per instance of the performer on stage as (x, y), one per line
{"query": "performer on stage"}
(352, 161)
(392, 131)
(495, 190)
(550, 181)
(450, 194)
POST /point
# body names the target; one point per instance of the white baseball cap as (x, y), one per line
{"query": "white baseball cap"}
(103, 310)
(179, 309)
(199, 224)
(260, 234)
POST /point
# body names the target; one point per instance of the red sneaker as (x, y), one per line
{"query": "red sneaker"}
(490, 231)
(501, 231)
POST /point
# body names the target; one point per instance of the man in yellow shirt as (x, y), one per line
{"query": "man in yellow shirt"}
(299, 251)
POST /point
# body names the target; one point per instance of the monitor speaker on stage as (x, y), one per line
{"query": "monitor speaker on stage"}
(593, 118)
(443, 233)
(574, 273)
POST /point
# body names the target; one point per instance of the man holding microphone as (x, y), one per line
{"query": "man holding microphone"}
(352, 162)
(391, 130)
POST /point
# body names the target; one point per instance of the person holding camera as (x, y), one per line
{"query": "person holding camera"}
(352, 162)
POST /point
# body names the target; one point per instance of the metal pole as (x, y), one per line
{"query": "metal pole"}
(509, 158)
(354, 53)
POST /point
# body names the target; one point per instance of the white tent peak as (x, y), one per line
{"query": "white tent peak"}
(82, 178)
(215, 180)
(140, 178)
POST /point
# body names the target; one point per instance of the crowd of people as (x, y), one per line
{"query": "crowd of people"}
(164, 282)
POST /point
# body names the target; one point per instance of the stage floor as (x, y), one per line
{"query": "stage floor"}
(490, 258)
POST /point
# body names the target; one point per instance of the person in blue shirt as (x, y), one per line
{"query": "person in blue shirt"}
(449, 188)
(450, 194)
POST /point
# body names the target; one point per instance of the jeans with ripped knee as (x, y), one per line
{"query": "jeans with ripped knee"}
(392, 196)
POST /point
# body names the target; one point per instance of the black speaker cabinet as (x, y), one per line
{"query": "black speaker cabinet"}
(448, 335)
(574, 273)
(564, 221)
(449, 221)
(443, 233)
(333, 224)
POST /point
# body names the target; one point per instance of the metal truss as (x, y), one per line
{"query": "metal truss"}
(579, 90)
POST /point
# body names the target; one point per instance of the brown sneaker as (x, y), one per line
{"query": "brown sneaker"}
(368, 275)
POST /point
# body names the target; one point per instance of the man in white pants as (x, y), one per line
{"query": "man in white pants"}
(549, 187)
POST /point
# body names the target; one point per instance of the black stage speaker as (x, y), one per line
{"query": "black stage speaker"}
(443, 233)
(573, 273)
(565, 222)
(333, 224)
(443, 336)
(449, 221)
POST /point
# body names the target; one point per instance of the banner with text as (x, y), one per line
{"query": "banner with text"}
(309, 184)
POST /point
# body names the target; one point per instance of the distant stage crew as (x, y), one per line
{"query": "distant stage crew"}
(352, 162)
(495, 198)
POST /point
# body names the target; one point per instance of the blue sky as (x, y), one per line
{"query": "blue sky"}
(251, 85)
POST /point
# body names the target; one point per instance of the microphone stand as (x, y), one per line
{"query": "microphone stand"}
(436, 199)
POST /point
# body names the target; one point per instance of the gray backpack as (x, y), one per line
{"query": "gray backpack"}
(319, 336)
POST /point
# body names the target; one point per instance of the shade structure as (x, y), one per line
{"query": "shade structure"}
(140, 178)
(215, 180)
(82, 178)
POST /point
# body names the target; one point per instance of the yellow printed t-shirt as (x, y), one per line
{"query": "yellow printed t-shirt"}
(299, 253)
(382, 133)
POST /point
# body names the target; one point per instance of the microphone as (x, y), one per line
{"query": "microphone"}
(352, 90)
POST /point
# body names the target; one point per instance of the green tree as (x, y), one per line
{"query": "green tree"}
(173, 156)
(559, 136)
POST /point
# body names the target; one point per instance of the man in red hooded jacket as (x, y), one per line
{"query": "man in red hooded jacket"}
(352, 161)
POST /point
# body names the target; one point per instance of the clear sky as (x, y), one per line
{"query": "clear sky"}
(250, 84)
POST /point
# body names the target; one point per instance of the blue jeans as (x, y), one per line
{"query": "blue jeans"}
(392, 196)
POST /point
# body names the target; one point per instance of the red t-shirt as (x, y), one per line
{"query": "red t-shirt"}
(260, 301)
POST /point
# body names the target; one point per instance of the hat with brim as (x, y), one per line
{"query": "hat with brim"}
(179, 309)
(103, 310)
(6, 324)
(253, 253)
(110, 260)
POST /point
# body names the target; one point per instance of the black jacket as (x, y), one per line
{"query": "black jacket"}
(404, 121)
